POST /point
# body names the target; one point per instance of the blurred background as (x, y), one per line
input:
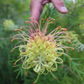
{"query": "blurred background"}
(13, 13)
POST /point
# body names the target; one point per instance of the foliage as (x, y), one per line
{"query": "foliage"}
(18, 11)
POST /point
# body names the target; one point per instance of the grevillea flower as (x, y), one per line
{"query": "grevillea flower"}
(41, 51)
(9, 25)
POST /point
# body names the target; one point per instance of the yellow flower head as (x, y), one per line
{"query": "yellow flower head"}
(9, 25)
(41, 51)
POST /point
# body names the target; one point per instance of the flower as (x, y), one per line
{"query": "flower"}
(41, 51)
(9, 25)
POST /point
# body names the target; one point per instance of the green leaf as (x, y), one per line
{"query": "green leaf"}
(18, 74)
(1, 46)
(69, 63)
(17, 70)
(77, 58)
(17, 65)
(76, 64)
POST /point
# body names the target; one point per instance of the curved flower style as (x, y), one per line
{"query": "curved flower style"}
(40, 51)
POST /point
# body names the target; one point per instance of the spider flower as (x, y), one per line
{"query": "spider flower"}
(9, 25)
(41, 51)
